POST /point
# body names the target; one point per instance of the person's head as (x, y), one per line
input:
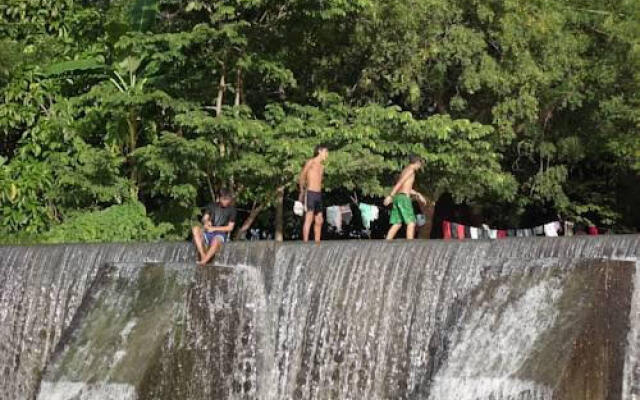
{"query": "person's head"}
(226, 197)
(416, 161)
(321, 151)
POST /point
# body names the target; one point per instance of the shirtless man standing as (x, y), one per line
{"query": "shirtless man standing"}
(310, 183)
(400, 196)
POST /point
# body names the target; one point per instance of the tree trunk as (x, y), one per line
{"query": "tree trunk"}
(280, 214)
(427, 210)
(211, 191)
(246, 225)
(220, 97)
(238, 99)
(132, 125)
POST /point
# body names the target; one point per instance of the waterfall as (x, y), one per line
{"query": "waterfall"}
(522, 319)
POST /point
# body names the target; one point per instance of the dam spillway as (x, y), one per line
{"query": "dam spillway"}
(531, 318)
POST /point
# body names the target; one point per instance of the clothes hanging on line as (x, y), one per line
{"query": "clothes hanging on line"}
(421, 220)
(568, 228)
(333, 216)
(446, 230)
(488, 233)
(552, 229)
(347, 214)
(452, 230)
(369, 213)
(339, 216)
(460, 231)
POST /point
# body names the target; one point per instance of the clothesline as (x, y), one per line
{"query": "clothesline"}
(452, 230)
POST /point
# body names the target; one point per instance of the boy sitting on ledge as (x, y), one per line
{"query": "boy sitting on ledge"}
(218, 222)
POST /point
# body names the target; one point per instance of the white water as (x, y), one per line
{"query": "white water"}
(354, 320)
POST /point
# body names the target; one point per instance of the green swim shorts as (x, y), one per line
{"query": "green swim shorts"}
(402, 211)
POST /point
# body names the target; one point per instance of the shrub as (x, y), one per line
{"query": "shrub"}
(120, 223)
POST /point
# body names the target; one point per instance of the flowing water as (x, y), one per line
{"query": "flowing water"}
(511, 319)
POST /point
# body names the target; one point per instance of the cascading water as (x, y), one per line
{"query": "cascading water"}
(511, 319)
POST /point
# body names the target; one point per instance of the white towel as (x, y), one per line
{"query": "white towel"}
(551, 229)
(474, 232)
(334, 218)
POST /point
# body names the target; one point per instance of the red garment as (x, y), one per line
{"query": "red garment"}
(446, 230)
(460, 232)
(593, 231)
(502, 234)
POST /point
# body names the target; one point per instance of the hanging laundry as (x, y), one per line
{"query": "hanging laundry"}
(488, 233)
(346, 214)
(551, 229)
(593, 231)
(460, 231)
(485, 231)
(467, 232)
(334, 218)
(568, 228)
(338, 216)
(446, 230)
(369, 214)
(421, 220)
(454, 231)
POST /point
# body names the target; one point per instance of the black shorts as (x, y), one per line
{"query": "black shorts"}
(314, 202)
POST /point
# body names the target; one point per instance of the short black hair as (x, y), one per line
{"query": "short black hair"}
(319, 148)
(414, 159)
(226, 193)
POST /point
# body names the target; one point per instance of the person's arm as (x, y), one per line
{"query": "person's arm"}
(227, 228)
(232, 223)
(302, 181)
(206, 221)
(419, 196)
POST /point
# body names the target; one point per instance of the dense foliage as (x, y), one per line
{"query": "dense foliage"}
(144, 108)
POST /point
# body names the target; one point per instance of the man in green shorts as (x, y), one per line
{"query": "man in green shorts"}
(402, 211)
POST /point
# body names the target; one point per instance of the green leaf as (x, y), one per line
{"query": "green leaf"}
(73, 67)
